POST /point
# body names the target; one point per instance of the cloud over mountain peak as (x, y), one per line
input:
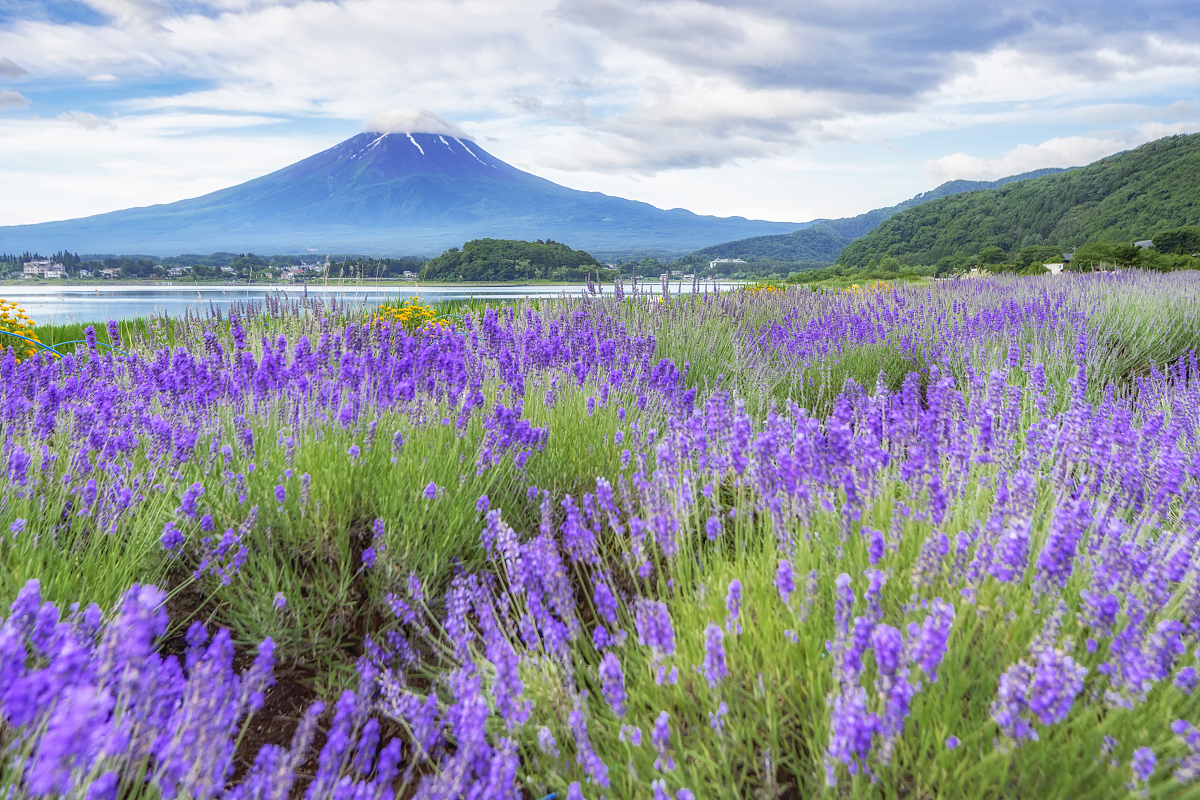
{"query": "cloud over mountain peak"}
(412, 120)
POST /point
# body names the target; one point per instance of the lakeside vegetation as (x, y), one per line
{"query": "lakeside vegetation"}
(928, 539)
(511, 260)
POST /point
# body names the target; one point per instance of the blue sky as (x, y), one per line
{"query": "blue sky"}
(772, 109)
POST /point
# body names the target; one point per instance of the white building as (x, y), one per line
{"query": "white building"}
(44, 269)
(84, 273)
(1145, 244)
(713, 264)
(1055, 269)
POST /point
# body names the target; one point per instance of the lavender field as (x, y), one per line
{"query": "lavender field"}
(935, 540)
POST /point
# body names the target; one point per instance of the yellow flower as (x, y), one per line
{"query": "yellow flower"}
(18, 325)
(410, 314)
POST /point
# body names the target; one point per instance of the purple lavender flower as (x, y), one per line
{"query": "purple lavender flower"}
(172, 537)
(714, 655)
(660, 737)
(605, 602)
(852, 729)
(187, 504)
(17, 526)
(368, 557)
(431, 491)
(631, 734)
(713, 528)
(733, 606)
(280, 601)
(18, 466)
(613, 683)
(280, 495)
(1186, 679)
(114, 333)
(929, 641)
(716, 719)
(481, 505)
(585, 756)
(1144, 763)
(785, 583)
(653, 625)
(952, 742)
(875, 544)
(546, 742)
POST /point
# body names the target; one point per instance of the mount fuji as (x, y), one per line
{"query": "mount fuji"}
(388, 193)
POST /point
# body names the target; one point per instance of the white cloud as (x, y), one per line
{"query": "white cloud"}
(11, 69)
(10, 99)
(658, 100)
(87, 120)
(1066, 151)
(412, 120)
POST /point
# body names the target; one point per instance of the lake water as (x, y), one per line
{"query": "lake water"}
(48, 305)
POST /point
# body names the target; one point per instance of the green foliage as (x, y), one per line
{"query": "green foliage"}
(1038, 254)
(991, 255)
(1179, 240)
(510, 260)
(1123, 198)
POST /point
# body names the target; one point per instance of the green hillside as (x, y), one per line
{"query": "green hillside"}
(510, 260)
(817, 243)
(1134, 195)
(861, 225)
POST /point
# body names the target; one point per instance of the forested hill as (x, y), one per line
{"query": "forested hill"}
(818, 243)
(823, 241)
(861, 225)
(510, 260)
(1130, 196)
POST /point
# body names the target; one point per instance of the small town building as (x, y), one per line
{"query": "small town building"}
(43, 269)
(713, 264)
(1055, 269)
(1145, 244)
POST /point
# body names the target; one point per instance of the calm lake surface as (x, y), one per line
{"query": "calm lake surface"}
(49, 305)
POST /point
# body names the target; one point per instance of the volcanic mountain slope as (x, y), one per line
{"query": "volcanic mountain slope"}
(394, 193)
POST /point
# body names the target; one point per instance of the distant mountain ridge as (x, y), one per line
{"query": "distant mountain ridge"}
(824, 239)
(389, 194)
(1126, 197)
